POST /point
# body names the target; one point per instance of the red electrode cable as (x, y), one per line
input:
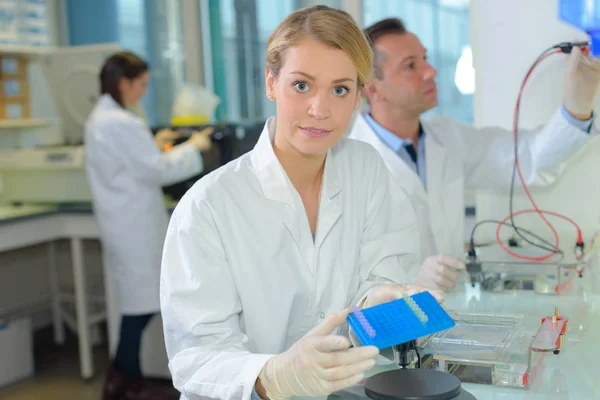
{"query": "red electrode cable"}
(535, 207)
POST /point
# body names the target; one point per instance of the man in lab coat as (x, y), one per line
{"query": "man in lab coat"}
(436, 159)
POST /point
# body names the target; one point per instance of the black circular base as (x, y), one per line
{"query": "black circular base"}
(415, 384)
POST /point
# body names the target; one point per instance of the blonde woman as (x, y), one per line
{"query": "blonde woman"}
(263, 254)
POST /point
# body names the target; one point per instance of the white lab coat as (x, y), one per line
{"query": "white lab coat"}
(459, 156)
(125, 172)
(242, 279)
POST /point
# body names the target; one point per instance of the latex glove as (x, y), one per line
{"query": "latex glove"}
(202, 139)
(165, 138)
(318, 364)
(440, 272)
(582, 78)
(386, 293)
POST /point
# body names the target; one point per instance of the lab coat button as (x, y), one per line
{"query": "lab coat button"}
(322, 315)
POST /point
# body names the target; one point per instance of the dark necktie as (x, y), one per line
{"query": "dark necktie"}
(410, 149)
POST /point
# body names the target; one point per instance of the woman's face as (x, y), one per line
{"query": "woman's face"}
(316, 93)
(132, 90)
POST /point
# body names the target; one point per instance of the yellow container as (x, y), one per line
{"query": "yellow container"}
(190, 120)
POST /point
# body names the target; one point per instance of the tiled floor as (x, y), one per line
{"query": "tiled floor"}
(57, 373)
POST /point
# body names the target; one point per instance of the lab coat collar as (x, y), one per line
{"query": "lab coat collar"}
(273, 179)
(276, 186)
(401, 171)
(107, 101)
(396, 143)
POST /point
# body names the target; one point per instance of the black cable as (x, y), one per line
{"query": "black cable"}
(516, 229)
(564, 47)
(493, 221)
(473, 265)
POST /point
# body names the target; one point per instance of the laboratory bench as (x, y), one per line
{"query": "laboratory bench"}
(13, 213)
(27, 225)
(570, 375)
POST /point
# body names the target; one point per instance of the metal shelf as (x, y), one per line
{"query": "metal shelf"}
(29, 52)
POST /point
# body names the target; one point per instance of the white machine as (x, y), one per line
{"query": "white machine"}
(44, 175)
(42, 157)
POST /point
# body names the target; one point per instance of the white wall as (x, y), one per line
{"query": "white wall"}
(507, 36)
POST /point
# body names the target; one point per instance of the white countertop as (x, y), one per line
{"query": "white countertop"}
(574, 373)
(26, 210)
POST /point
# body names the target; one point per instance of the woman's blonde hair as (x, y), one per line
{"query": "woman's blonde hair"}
(334, 28)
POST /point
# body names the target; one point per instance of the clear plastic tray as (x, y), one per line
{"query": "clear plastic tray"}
(502, 271)
(493, 349)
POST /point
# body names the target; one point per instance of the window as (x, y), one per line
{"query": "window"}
(25, 23)
(239, 30)
(151, 29)
(443, 27)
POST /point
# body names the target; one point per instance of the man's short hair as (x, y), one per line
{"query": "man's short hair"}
(381, 28)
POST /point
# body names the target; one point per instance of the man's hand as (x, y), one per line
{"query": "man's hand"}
(582, 78)
(440, 272)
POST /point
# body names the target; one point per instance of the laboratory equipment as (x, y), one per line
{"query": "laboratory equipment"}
(491, 269)
(398, 324)
(585, 15)
(72, 74)
(474, 266)
(194, 105)
(47, 175)
(416, 384)
(494, 349)
(232, 140)
(56, 174)
(400, 321)
(556, 325)
(41, 158)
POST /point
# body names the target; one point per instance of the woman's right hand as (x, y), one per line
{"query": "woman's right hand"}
(202, 139)
(164, 139)
(316, 365)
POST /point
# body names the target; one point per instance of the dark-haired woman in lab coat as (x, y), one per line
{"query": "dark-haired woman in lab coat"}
(126, 172)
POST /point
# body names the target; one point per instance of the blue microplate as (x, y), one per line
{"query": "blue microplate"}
(396, 323)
